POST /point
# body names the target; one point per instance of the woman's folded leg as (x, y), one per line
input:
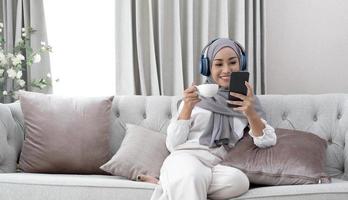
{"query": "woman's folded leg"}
(183, 176)
(227, 182)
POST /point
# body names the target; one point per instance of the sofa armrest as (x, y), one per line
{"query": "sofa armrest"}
(11, 136)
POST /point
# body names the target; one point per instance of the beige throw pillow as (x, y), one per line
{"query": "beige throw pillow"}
(297, 158)
(65, 134)
(142, 152)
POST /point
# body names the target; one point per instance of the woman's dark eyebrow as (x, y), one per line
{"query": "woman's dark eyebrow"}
(231, 58)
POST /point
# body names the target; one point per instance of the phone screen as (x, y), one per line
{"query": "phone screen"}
(237, 85)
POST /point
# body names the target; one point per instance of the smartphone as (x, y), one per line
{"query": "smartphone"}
(237, 85)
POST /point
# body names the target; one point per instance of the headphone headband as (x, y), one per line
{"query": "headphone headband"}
(205, 49)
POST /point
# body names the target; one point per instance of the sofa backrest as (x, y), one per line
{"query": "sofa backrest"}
(11, 136)
(325, 115)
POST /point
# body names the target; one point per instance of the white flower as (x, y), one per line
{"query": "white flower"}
(11, 73)
(11, 64)
(21, 82)
(19, 74)
(20, 56)
(3, 59)
(16, 60)
(37, 58)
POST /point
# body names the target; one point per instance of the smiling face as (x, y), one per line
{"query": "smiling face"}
(225, 62)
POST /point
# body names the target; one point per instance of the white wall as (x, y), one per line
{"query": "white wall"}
(306, 46)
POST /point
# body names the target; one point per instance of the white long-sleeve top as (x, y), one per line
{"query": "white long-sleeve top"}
(181, 133)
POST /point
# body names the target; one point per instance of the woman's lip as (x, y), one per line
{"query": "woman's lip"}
(225, 78)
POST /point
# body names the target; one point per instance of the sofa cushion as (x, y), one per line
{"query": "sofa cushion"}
(336, 191)
(28, 186)
(35, 186)
(142, 152)
(65, 134)
(297, 158)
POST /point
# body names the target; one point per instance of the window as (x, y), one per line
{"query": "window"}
(82, 36)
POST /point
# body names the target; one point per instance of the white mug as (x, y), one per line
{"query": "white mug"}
(207, 90)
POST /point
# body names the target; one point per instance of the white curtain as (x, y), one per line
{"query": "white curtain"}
(159, 42)
(255, 43)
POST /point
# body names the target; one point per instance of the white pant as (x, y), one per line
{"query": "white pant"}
(196, 175)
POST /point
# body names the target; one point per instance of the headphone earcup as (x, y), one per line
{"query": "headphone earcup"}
(204, 66)
(204, 61)
(243, 62)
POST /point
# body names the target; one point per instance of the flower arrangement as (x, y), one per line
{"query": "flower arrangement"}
(13, 65)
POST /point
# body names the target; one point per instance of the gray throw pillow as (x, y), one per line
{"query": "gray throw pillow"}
(65, 134)
(297, 158)
(142, 152)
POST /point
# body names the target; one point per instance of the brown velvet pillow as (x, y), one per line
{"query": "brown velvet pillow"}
(297, 158)
(65, 134)
(142, 152)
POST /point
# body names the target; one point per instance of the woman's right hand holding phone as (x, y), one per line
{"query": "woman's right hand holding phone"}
(190, 99)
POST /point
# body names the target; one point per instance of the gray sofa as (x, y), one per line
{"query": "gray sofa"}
(325, 115)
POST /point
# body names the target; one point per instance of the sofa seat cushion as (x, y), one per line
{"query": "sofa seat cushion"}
(88, 187)
(337, 190)
(66, 186)
(73, 180)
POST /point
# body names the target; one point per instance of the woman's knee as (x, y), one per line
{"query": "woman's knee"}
(242, 182)
(186, 167)
(228, 182)
(238, 176)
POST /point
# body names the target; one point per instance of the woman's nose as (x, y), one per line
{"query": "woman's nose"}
(226, 68)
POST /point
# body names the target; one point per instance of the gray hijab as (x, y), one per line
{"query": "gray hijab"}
(220, 130)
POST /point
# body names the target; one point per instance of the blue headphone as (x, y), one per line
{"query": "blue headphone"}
(204, 62)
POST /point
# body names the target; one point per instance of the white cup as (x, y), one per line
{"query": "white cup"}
(207, 90)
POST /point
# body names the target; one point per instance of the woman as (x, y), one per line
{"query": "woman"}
(205, 128)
